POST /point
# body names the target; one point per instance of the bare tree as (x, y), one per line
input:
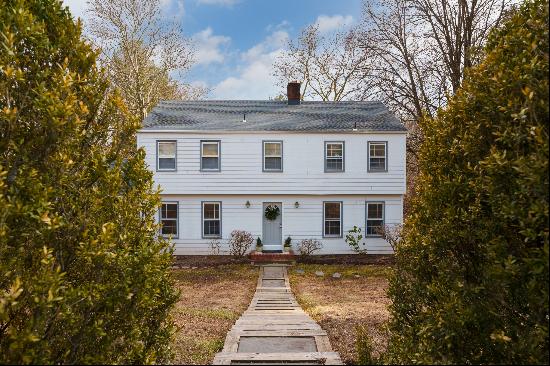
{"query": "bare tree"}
(420, 50)
(331, 69)
(141, 51)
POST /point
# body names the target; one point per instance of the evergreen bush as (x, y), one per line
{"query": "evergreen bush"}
(471, 280)
(84, 277)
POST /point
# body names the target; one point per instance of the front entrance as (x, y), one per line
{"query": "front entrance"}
(273, 229)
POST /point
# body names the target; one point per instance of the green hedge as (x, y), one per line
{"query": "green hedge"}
(471, 280)
(83, 276)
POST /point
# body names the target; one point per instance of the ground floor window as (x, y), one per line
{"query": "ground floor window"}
(211, 219)
(375, 218)
(169, 219)
(332, 219)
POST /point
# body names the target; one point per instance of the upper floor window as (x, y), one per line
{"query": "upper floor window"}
(375, 218)
(273, 156)
(169, 219)
(332, 217)
(378, 156)
(334, 156)
(210, 156)
(211, 219)
(166, 155)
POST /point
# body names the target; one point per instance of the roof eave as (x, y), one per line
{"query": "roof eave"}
(359, 131)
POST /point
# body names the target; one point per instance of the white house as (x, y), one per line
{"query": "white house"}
(324, 166)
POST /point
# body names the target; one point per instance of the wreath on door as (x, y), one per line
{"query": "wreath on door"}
(272, 212)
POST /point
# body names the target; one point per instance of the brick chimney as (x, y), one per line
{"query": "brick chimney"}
(293, 93)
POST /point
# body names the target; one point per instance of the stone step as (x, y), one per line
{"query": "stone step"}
(300, 358)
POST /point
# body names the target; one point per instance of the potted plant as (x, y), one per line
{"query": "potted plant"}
(288, 243)
(259, 244)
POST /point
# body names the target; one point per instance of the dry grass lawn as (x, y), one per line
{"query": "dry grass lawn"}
(358, 298)
(212, 299)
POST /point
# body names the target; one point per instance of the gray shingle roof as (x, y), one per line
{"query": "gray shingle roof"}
(227, 115)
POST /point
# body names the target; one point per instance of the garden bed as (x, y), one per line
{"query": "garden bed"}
(199, 261)
(347, 259)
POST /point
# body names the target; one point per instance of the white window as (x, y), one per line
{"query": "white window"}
(166, 155)
(210, 156)
(378, 156)
(375, 218)
(334, 156)
(273, 156)
(169, 219)
(332, 219)
(211, 219)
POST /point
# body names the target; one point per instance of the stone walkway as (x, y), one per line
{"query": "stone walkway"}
(275, 330)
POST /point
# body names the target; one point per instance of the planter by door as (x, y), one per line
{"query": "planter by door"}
(272, 237)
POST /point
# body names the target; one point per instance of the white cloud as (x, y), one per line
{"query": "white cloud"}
(285, 24)
(275, 40)
(218, 2)
(172, 8)
(77, 7)
(327, 23)
(208, 47)
(255, 79)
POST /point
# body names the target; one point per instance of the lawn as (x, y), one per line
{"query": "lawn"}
(212, 299)
(340, 305)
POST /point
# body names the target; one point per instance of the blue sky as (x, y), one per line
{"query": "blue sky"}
(237, 41)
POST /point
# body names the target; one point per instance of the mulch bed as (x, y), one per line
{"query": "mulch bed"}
(189, 261)
(348, 259)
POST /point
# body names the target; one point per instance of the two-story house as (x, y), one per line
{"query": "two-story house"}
(316, 169)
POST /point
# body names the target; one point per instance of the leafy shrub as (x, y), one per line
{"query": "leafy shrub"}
(84, 277)
(364, 347)
(288, 241)
(354, 239)
(240, 242)
(259, 242)
(309, 246)
(471, 280)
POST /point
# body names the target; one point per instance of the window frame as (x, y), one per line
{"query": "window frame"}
(177, 219)
(219, 144)
(218, 236)
(159, 169)
(280, 142)
(367, 203)
(341, 203)
(371, 170)
(343, 143)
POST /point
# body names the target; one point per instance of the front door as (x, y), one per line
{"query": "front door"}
(273, 229)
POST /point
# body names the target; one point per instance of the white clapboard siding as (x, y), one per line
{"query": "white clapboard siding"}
(303, 222)
(303, 164)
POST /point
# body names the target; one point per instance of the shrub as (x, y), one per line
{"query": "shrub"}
(259, 242)
(471, 280)
(354, 239)
(392, 234)
(309, 246)
(240, 242)
(288, 241)
(364, 347)
(84, 277)
(215, 246)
